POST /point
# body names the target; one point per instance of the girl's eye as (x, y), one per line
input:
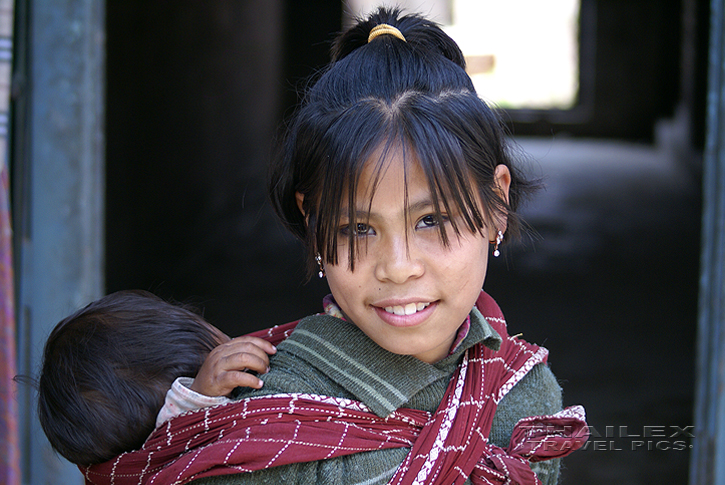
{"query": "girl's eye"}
(363, 230)
(360, 229)
(431, 220)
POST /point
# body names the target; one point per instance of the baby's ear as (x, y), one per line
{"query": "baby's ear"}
(300, 201)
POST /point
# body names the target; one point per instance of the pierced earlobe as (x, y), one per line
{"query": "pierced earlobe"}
(318, 258)
(497, 243)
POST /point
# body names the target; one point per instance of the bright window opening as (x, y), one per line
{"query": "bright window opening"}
(521, 54)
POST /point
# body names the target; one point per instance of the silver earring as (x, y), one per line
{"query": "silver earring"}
(318, 258)
(499, 238)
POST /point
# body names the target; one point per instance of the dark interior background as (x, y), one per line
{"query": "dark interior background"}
(197, 90)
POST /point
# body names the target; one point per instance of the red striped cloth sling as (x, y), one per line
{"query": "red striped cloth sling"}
(448, 446)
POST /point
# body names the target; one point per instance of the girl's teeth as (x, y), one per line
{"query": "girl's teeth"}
(408, 309)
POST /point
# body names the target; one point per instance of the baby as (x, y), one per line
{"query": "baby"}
(107, 369)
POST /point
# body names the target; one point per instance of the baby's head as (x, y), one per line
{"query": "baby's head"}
(384, 99)
(106, 370)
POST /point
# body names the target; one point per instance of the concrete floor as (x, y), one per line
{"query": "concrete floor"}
(610, 287)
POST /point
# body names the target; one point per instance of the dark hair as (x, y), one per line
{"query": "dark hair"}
(411, 95)
(106, 370)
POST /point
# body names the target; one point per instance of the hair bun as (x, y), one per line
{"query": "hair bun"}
(385, 29)
(419, 33)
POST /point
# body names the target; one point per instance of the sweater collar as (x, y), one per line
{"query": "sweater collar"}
(384, 381)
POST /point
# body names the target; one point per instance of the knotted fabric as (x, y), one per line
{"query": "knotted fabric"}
(536, 438)
(447, 447)
(454, 445)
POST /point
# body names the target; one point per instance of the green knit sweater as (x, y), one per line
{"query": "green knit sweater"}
(326, 355)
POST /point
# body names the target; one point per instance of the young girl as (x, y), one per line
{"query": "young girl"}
(398, 179)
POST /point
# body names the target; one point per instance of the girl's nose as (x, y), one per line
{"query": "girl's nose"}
(397, 261)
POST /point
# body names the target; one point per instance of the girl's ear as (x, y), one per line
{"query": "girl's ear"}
(300, 202)
(502, 182)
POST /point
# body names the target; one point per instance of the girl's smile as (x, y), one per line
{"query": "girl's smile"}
(405, 316)
(408, 292)
(408, 309)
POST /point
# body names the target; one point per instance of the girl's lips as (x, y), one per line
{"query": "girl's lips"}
(416, 318)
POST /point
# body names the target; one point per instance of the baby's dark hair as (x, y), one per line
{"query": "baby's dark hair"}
(107, 367)
(383, 97)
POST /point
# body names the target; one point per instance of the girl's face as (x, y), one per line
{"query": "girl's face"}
(409, 293)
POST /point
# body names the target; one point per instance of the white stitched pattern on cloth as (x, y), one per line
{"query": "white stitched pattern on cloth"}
(440, 440)
(536, 358)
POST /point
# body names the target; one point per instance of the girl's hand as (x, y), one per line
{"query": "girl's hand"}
(227, 366)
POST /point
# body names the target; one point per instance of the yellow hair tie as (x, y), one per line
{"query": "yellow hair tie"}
(383, 29)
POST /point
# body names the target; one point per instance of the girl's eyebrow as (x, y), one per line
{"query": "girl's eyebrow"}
(421, 205)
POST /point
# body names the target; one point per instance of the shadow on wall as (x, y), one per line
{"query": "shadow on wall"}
(195, 95)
